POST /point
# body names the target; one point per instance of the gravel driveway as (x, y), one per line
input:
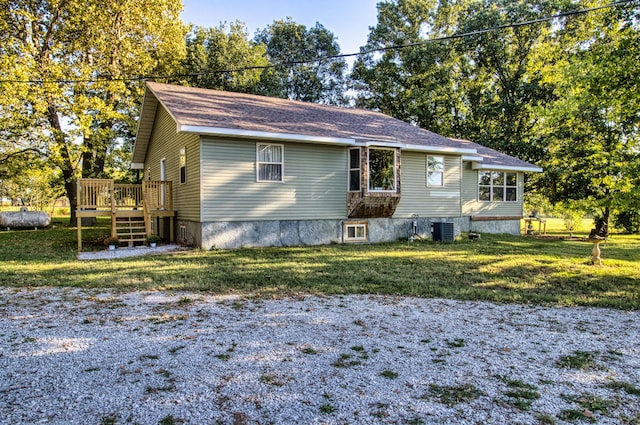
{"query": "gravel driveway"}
(71, 356)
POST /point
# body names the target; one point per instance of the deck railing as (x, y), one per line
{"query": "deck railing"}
(104, 194)
(95, 194)
(127, 196)
(158, 195)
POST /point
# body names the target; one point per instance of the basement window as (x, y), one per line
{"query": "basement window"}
(356, 232)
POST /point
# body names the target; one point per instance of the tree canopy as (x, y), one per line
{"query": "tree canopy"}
(80, 107)
(293, 49)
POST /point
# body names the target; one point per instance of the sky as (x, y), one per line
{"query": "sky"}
(348, 20)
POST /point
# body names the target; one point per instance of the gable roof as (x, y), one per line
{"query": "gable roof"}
(222, 113)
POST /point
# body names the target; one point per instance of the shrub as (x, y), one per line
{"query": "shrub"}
(628, 220)
(111, 240)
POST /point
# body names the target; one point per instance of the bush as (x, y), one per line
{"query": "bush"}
(628, 220)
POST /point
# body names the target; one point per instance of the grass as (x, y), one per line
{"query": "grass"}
(583, 360)
(452, 395)
(520, 394)
(499, 268)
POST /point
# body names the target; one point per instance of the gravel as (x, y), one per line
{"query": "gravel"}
(75, 356)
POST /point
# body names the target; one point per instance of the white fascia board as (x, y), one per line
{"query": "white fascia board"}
(381, 144)
(137, 166)
(250, 134)
(472, 158)
(477, 166)
(439, 149)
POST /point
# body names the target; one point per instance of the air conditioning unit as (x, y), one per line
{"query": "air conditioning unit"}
(442, 232)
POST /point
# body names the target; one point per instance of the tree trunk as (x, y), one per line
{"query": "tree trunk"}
(65, 164)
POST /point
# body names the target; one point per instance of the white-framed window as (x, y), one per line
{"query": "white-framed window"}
(269, 163)
(183, 165)
(435, 170)
(354, 170)
(382, 170)
(356, 231)
(497, 186)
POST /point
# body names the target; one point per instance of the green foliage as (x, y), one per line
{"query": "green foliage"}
(213, 54)
(592, 125)
(627, 220)
(300, 76)
(86, 127)
(572, 213)
(452, 395)
(480, 87)
(500, 268)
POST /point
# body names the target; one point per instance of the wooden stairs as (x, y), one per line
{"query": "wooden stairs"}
(132, 207)
(131, 230)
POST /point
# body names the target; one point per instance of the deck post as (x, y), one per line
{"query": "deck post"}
(114, 231)
(79, 224)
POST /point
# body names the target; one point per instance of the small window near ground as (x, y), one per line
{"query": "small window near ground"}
(382, 170)
(435, 170)
(356, 232)
(497, 186)
(354, 170)
(269, 163)
(183, 165)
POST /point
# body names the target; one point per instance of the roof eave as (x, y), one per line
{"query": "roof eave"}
(523, 168)
(439, 149)
(263, 135)
(145, 127)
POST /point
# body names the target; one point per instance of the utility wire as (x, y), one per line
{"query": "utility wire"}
(327, 58)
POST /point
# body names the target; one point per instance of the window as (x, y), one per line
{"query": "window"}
(354, 170)
(497, 186)
(269, 163)
(183, 165)
(435, 170)
(356, 232)
(382, 170)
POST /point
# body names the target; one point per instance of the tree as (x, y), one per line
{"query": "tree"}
(298, 75)
(481, 87)
(212, 54)
(79, 56)
(594, 125)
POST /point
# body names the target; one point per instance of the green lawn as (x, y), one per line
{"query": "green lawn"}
(496, 267)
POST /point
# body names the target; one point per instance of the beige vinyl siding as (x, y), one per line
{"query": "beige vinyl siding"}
(428, 201)
(166, 143)
(472, 207)
(314, 187)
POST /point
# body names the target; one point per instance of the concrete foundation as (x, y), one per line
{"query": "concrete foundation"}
(511, 227)
(230, 235)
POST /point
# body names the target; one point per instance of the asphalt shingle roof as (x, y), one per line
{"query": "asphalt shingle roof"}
(204, 108)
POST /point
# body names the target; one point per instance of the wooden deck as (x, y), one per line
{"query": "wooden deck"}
(132, 207)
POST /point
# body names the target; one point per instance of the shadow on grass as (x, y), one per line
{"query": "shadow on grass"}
(498, 268)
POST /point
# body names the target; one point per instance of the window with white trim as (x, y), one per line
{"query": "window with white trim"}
(269, 163)
(354, 170)
(382, 170)
(183, 165)
(497, 186)
(356, 232)
(435, 170)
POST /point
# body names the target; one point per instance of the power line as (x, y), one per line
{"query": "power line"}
(332, 57)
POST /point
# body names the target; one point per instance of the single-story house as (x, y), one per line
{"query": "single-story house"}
(252, 170)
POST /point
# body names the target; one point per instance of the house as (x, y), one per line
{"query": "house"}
(251, 170)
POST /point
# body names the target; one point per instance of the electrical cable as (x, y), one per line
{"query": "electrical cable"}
(328, 58)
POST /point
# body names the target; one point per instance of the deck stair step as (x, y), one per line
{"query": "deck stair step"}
(131, 230)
